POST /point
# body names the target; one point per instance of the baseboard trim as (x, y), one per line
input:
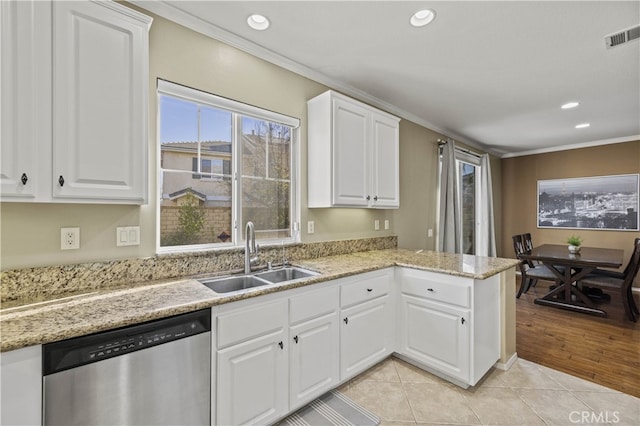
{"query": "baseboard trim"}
(504, 366)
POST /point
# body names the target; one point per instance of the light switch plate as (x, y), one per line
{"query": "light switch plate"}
(127, 236)
(386, 224)
(376, 225)
(311, 227)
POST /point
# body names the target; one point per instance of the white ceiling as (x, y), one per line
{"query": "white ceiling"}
(492, 74)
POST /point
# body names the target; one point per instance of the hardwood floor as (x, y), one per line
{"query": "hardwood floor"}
(602, 350)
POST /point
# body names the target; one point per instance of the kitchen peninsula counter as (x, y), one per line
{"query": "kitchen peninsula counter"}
(39, 322)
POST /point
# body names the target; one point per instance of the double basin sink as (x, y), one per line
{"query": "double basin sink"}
(243, 282)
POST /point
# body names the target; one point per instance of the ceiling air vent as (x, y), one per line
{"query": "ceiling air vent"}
(622, 37)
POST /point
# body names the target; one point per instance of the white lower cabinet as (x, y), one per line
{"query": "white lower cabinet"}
(366, 322)
(21, 386)
(449, 324)
(314, 344)
(252, 364)
(436, 335)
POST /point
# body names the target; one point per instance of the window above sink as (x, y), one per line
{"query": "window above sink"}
(223, 163)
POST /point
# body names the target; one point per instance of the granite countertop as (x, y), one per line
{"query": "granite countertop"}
(81, 314)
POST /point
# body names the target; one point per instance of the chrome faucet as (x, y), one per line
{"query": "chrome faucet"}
(250, 247)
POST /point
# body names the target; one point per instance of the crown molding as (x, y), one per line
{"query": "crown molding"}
(174, 14)
(573, 146)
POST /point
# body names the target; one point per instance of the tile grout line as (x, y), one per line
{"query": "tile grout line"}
(404, 391)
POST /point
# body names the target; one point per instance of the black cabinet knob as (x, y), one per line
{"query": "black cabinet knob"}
(61, 180)
(346, 320)
(24, 178)
(375, 198)
(295, 339)
(281, 344)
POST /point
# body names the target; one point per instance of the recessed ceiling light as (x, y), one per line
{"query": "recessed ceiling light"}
(570, 105)
(422, 17)
(582, 126)
(258, 22)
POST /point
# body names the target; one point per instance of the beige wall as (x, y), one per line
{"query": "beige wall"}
(30, 233)
(519, 192)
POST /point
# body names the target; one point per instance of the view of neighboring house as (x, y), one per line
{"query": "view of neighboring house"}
(197, 177)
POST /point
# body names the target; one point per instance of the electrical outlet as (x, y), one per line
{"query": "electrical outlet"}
(311, 227)
(376, 225)
(69, 238)
(386, 224)
(430, 233)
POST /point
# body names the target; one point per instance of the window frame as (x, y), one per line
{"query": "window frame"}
(237, 109)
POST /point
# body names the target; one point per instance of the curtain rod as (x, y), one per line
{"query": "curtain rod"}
(441, 142)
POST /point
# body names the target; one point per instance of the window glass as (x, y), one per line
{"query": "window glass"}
(266, 177)
(198, 143)
(195, 187)
(467, 177)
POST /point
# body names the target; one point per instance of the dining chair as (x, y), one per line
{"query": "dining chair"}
(621, 281)
(530, 273)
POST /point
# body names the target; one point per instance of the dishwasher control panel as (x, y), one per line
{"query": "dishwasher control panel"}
(60, 356)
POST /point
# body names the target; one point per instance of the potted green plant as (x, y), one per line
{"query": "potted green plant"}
(574, 243)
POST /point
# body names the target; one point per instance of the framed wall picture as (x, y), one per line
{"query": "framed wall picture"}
(598, 202)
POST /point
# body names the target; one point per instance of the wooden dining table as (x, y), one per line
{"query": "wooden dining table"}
(567, 295)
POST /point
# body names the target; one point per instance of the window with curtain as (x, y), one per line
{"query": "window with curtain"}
(466, 212)
(223, 163)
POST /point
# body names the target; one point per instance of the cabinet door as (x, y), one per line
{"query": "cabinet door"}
(436, 335)
(21, 386)
(25, 96)
(100, 97)
(314, 358)
(364, 336)
(385, 188)
(252, 381)
(350, 154)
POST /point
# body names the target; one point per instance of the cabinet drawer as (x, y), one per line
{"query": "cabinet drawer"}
(313, 304)
(438, 287)
(367, 287)
(248, 323)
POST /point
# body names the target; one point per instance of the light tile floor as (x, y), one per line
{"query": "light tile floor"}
(526, 394)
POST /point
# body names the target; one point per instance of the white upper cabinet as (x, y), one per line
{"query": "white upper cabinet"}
(100, 70)
(75, 76)
(25, 90)
(352, 154)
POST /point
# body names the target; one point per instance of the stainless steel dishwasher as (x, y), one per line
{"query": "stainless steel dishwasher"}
(155, 373)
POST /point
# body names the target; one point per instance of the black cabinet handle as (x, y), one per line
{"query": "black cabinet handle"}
(375, 198)
(369, 289)
(61, 180)
(346, 320)
(368, 197)
(295, 339)
(431, 290)
(462, 320)
(24, 178)
(281, 345)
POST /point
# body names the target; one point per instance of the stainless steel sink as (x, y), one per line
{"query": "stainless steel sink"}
(285, 274)
(244, 282)
(235, 283)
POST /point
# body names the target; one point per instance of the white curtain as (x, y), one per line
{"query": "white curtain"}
(487, 237)
(450, 220)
